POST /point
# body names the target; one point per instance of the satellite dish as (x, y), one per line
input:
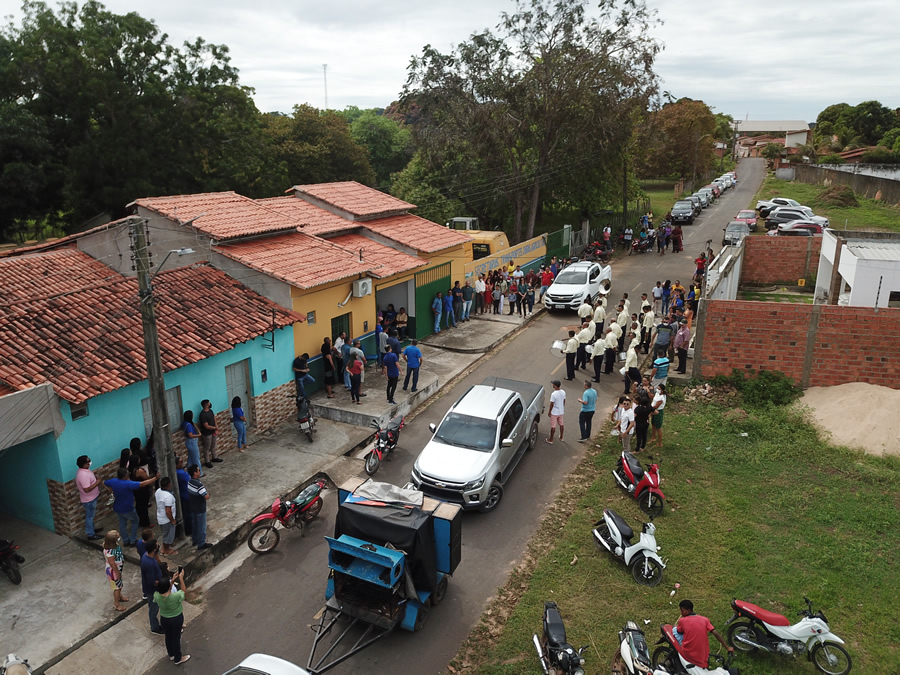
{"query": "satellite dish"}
(557, 348)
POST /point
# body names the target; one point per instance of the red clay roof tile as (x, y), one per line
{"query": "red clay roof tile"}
(87, 340)
(354, 198)
(416, 233)
(62, 271)
(386, 260)
(311, 218)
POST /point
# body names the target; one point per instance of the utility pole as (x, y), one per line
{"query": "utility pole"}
(834, 286)
(325, 79)
(162, 435)
(624, 193)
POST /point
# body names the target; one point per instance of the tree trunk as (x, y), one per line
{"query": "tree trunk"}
(519, 207)
(532, 213)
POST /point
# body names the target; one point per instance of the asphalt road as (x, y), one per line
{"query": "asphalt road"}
(267, 603)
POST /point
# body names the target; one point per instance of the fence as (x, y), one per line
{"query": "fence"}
(428, 283)
(527, 254)
(613, 219)
(868, 186)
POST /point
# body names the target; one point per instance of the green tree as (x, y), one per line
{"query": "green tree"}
(389, 143)
(891, 140)
(419, 185)
(679, 140)
(551, 94)
(772, 151)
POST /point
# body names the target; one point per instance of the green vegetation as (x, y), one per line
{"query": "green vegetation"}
(869, 215)
(778, 296)
(758, 507)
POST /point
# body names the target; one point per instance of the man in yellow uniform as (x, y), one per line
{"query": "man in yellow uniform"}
(570, 351)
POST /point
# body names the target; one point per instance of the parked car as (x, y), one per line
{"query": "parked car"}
(797, 226)
(728, 179)
(717, 189)
(478, 444)
(764, 206)
(709, 192)
(576, 283)
(721, 183)
(698, 206)
(683, 212)
(735, 232)
(785, 214)
(747, 216)
(704, 198)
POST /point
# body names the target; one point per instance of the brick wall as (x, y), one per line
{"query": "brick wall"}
(849, 344)
(269, 410)
(772, 260)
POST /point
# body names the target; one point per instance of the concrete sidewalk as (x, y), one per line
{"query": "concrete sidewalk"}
(61, 617)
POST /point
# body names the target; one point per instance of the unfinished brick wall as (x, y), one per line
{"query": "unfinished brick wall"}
(269, 410)
(773, 260)
(848, 344)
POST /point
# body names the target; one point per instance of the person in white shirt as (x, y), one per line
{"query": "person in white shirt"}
(583, 337)
(480, 288)
(165, 514)
(632, 374)
(656, 420)
(609, 346)
(518, 274)
(557, 410)
(592, 327)
(629, 235)
(647, 325)
(622, 318)
(571, 351)
(585, 310)
(626, 424)
(600, 315)
(657, 296)
(626, 303)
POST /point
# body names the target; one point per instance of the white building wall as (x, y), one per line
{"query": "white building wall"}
(869, 275)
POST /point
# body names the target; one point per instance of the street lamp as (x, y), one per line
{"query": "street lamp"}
(179, 251)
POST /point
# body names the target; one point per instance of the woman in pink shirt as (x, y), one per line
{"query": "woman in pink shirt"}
(88, 492)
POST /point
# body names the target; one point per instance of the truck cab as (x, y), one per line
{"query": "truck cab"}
(484, 242)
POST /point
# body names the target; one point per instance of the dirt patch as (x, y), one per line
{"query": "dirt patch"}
(857, 415)
(837, 195)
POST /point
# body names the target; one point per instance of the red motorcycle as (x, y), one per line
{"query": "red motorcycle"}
(10, 560)
(264, 536)
(386, 439)
(644, 485)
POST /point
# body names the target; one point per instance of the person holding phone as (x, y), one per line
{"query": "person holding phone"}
(171, 613)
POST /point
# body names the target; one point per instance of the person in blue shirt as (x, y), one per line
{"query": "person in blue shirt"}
(413, 357)
(588, 403)
(150, 576)
(660, 372)
(394, 342)
(448, 310)
(392, 371)
(123, 503)
(379, 329)
(183, 479)
(437, 307)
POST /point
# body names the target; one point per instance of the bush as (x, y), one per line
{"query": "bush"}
(831, 159)
(880, 156)
(837, 195)
(767, 387)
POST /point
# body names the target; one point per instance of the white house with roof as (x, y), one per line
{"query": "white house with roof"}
(868, 268)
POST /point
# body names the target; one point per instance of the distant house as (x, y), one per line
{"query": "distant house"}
(868, 269)
(773, 127)
(855, 156)
(73, 372)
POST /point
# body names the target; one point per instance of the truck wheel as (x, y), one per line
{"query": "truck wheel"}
(533, 436)
(494, 495)
(421, 617)
(439, 592)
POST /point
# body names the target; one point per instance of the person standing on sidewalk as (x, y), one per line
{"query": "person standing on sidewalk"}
(583, 336)
(468, 294)
(659, 405)
(198, 496)
(328, 367)
(557, 410)
(191, 437)
(449, 311)
(88, 493)
(437, 306)
(208, 432)
(609, 349)
(150, 576)
(480, 288)
(626, 424)
(413, 357)
(642, 412)
(165, 515)
(457, 304)
(183, 478)
(588, 403)
(682, 340)
(571, 352)
(115, 561)
(355, 368)
(357, 353)
(171, 614)
(239, 421)
(391, 371)
(123, 503)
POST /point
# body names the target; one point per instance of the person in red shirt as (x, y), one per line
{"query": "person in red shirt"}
(693, 629)
(546, 281)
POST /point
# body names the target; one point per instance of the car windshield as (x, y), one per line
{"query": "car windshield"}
(464, 431)
(575, 277)
(683, 205)
(747, 214)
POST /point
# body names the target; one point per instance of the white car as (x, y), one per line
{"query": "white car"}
(263, 664)
(576, 283)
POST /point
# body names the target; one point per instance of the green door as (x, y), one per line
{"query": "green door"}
(428, 283)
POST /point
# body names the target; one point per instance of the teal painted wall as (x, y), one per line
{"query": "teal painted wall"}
(24, 470)
(115, 418)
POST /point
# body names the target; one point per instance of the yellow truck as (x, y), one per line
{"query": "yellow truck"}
(484, 242)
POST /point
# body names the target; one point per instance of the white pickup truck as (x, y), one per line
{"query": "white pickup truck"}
(479, 443)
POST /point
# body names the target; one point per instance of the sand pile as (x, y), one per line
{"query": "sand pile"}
(858, 415)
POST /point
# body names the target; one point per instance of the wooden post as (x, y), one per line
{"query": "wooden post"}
(834, 287)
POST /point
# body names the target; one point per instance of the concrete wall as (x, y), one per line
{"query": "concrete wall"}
(274, 289)
(816, 345)
(889, 171)
(772, 260)
(867, 186)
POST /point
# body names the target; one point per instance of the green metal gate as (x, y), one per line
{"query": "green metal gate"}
(428, 283)
(557, 244)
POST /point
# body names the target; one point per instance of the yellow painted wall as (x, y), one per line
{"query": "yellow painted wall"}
(520, 253)
(457, 257)
(323, 300)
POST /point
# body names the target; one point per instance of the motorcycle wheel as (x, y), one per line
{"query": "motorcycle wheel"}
(263, 539)
(312, 511)
(439, 592)
(651, 503)
(824, 653)
(12, 571)
(664, 657)
(746, 629)
(646, 571)
(309, 434)
(372, 463)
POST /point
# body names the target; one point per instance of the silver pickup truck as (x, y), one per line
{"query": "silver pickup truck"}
(479, 442)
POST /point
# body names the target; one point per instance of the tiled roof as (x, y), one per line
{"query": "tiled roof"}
(299, 259)
(387, 260)
(220, 215)
(88, 341)
(416, 233)
(51, 273)
(310, 218)
(354, 198)
(61, 242)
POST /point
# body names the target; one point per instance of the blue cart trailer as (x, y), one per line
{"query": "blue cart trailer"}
(389, 561)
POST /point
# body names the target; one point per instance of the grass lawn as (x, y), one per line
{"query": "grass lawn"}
(661, 202)
(768, 517)
(804, 298)
(869, 215)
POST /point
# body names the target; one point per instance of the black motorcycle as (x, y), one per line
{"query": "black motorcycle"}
(10, 561)
(556, 655)
(305, 417)
(386, 439)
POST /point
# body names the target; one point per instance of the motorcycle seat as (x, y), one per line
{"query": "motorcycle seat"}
(4, 544)
(394, 424)
(634, 466)
(554, 628)
(623, 528)
(763, 615)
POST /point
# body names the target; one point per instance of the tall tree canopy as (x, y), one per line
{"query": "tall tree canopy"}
(678, 139)
(542, 106)
(844, 127)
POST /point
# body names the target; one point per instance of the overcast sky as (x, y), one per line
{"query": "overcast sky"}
(767, 59)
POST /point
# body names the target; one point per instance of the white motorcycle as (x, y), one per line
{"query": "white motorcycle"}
(670, 658)
(634, 654)
(774, 633)
(614, 534)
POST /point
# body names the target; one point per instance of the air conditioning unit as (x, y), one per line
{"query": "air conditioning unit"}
(362, 287)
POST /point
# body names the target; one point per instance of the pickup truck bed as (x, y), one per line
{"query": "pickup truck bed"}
(527, 390)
